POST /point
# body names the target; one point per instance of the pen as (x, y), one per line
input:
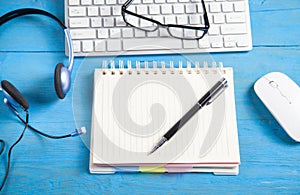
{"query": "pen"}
(207, 99)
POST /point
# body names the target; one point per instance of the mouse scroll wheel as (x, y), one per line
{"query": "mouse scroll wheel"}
(273, 84)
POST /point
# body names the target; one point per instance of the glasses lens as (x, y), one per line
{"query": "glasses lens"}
(186, 33)
(140, 23)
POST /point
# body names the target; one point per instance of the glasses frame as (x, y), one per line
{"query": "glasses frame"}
(167, 26)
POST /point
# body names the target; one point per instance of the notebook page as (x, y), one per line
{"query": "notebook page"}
(133, 110)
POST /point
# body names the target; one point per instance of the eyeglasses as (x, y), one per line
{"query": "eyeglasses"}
(175, 30)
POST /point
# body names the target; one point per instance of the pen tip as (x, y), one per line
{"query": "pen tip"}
(160, 143)
(153, 150)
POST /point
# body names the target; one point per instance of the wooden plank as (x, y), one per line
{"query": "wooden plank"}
(269, 5)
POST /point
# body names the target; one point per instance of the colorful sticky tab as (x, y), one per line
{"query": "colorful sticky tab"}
(153, 169)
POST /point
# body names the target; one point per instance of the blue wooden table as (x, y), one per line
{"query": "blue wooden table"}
(30, 51)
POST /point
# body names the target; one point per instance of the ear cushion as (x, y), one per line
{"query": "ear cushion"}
(15, 94)
(57, 81)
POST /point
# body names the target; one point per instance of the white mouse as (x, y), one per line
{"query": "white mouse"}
(281, 96)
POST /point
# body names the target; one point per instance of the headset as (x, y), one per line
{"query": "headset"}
(14, 99)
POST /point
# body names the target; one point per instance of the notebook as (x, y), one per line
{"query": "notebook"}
(134, 107)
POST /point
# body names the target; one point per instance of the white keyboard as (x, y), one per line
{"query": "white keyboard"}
(97, 27)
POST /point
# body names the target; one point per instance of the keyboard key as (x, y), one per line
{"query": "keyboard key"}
(151, 43)
(170, 19)
(215, 41)
(235, 38)
(152, 34)
(93, 11)
(227, 7)
(233, 29)
(204, 43)
(219, 19)
(194, 19)
(182, 19)
(190, 44)
(76, 46)
(139, 33)
(214, 30)
(147, 1)
(73, 2)
(115, 33)
(79, 22)
(239, 7)
(142, 9)
(235, 18)
(127, 32)
(190, 9)
(116, 10)
(163, 32)
(105, 10)
(108, 22)
(114, 45)
(87, 46)
(200, 8)
(83, 33)
(111, 2)
(96, 22)
(86, 2)
(178, 8)
(136, 2)
(77, 11)
(103, 33)
(159, 18)
(229, 44)
(166, 9)
(100, 45)
(99, 2)
(242, 43)
(217, 45)
(154, 9)
(215, 8)
(120, 21)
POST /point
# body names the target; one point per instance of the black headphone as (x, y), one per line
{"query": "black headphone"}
(62, 74)
(62, 83)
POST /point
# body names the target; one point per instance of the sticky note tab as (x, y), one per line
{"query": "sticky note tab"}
(153, 169)
(127, 169)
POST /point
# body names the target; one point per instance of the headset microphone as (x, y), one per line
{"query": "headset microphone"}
(15, 101)
(13, 96)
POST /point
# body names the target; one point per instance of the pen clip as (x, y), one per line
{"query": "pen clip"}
(218, 94)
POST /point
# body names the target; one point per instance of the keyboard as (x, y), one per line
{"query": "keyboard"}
(98, 29)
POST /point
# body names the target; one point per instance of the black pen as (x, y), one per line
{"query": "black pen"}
(208, 98)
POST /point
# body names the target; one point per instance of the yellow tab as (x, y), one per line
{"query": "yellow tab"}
(153, 169)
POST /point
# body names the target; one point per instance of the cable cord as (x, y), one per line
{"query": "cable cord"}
(44, 134)
(2, 146)
(10, 151)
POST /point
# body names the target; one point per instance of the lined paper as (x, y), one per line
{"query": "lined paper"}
(133, 109)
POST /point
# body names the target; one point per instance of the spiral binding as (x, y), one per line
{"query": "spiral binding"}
(147, 67)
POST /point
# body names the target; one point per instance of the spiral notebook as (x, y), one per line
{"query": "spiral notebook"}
(134, 107)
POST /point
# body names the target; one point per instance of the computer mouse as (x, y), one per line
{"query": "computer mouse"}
(281, 95)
